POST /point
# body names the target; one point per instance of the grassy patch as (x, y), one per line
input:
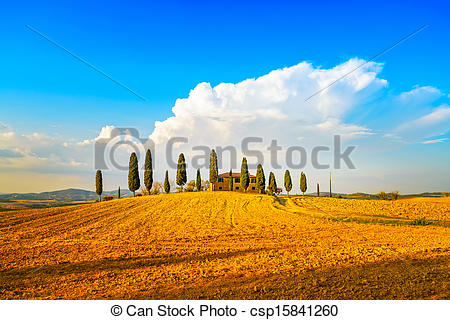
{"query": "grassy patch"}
(420, 222)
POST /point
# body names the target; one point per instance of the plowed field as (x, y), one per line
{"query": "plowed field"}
(226, 245)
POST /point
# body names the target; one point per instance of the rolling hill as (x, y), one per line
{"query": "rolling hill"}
(66, 195)
(225, 245)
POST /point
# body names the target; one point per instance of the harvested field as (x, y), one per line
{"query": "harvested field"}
(225, 245)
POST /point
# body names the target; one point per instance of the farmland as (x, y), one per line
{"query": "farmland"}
(224, 245)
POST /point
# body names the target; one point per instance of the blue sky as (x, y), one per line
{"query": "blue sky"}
(163, 51)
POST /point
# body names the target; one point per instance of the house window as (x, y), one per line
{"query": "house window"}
(220, 188)
(220, 180)
(237, 180)
(253, 180)
(253, 188)
(237, 188)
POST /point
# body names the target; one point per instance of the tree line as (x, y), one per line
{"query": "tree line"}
(134, 182)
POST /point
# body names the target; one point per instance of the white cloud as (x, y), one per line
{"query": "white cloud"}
(105, 133)
(420, 95)
(435, 141)
(85, 142)
(436, 122)
(38, 152)
(273, 106)
(11, 139)
(439, 115)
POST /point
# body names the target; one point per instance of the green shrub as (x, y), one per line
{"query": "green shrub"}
(156, 189)
(107, 198)
(382, 195)
(394, 195)
(190, 186)
(420, 222)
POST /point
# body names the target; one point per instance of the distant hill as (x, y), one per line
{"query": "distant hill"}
(368, 196)
(66, 195)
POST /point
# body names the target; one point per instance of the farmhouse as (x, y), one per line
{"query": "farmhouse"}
(223, 183)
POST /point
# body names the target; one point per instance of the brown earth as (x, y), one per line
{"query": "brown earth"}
(226, 245)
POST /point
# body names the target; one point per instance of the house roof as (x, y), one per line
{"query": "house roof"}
(234, 174)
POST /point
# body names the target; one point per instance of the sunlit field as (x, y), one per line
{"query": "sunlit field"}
(223, 245)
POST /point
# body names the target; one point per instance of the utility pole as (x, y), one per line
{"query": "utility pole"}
(330, 185)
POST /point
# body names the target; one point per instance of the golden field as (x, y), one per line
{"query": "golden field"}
(222, 245)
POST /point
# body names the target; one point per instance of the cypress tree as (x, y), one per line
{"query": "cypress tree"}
(166, 183)
(148, 171)
(331, 195)
(318, 191)
(303, 184)
(287, 181)
(245, 179)
(99, 184)
(133, 174)
(213, 170)
(272, 188)
(260, 179)
(198, 184)
(181, 171)
(118, 193)
(230, 181)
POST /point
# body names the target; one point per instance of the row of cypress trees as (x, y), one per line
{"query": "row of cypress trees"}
(272, 187)
(134, 182)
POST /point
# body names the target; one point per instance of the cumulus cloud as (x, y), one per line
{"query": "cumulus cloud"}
(273, 106)
(105, 133)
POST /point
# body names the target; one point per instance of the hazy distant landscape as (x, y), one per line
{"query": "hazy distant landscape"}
(12, 201)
